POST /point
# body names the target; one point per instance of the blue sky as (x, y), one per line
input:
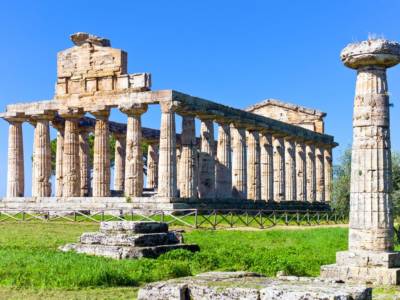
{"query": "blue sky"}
(232, 52)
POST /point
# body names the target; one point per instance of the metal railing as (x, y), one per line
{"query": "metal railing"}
(194, 218)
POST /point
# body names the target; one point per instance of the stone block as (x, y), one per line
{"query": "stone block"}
(91, 85)
(368, 259)
(106, 84)
(133, 227)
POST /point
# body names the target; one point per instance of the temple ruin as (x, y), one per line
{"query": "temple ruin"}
(270, 153)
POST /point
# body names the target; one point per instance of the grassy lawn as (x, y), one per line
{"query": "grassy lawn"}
(32, 268)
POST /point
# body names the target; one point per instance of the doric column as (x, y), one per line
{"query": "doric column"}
(119, 162)
(279, 168)
(267, 167)
(85, 188)
(59, 157)
(239, 162)
(101, 155)
(290, 169)
(167, 181)
(319, 174)
(253, 165)
(223, 169)
(15, 171)
(206, 184)
(41, 164)
(310, 172)
(188, 159)
(152, 166)
(71, 163)
(134, 153)
(301, 182)
(328, 173)
(178, 163)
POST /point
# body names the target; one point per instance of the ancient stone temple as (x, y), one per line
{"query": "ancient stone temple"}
(370, 257)
(270, 153)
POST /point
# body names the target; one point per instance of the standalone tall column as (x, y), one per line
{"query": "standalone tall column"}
(311, 179)
(328, 173)
(239, 164)
(167, 184)
(85, 188)
(301, 182)
(370, 257)
(42, 158)
(279, 169)
(253, 165)
(267, 167)
(290, 169)
(320, 174)
(119, 162)
(152, 166)
(188, 159)
(101, 156)
(207, 160)
(223, 169)
(59, 158)
(134, 152)
(15, 171)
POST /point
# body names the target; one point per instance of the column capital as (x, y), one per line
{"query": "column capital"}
(135, 109)
(169, 106)
(46, 115)
(102, 113)
(14, 117)
(71, 113)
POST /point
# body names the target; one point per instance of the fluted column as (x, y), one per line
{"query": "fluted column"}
(328, 173)
(134, 153)
(223, 169)
(15, 171)
(290, 170)
(311, 178)
(152, 166)
(188, 159)
(167, 184)
(41, 186)
(239, 163)
(101, 156)
(206, 184)
(301, 182)
(119, 162)
(267, 167)
(253, 165)
(279, 169)
(85, 188)
(59, 161)
(319, 174)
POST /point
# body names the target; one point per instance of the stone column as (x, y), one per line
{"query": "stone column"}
(167, 184)
(119, 162)
(319, 174)
(152, 166)
(301, 181)
(290, 170)
(101, 156)
(85, 188)
(134, 153)
(310, 165)
(370, 257)
(207, 160)
(253, 165)
(41, 185)
(239, 163)
(328, 173)
(71, 163)
(267, 167)
(279, 169)
(223, 169)
(59, 158)
(188, 159)
(15, 171)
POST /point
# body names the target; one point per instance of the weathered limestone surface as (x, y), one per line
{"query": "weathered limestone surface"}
(267, 167)
(311, 180)
(207, 160)
(319, 174)
(249, 286)
(15, 171)
(279, 169)
(290, 170)
(301, 181)
(59, 161)
(188, 159)
(253, 165)
(152, 166)
(119, 163)
(239, 164)
(370, 257)
(223, 168)
(328, 173)
(85, 188)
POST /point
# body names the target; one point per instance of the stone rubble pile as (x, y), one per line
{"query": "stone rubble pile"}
(129, 240)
